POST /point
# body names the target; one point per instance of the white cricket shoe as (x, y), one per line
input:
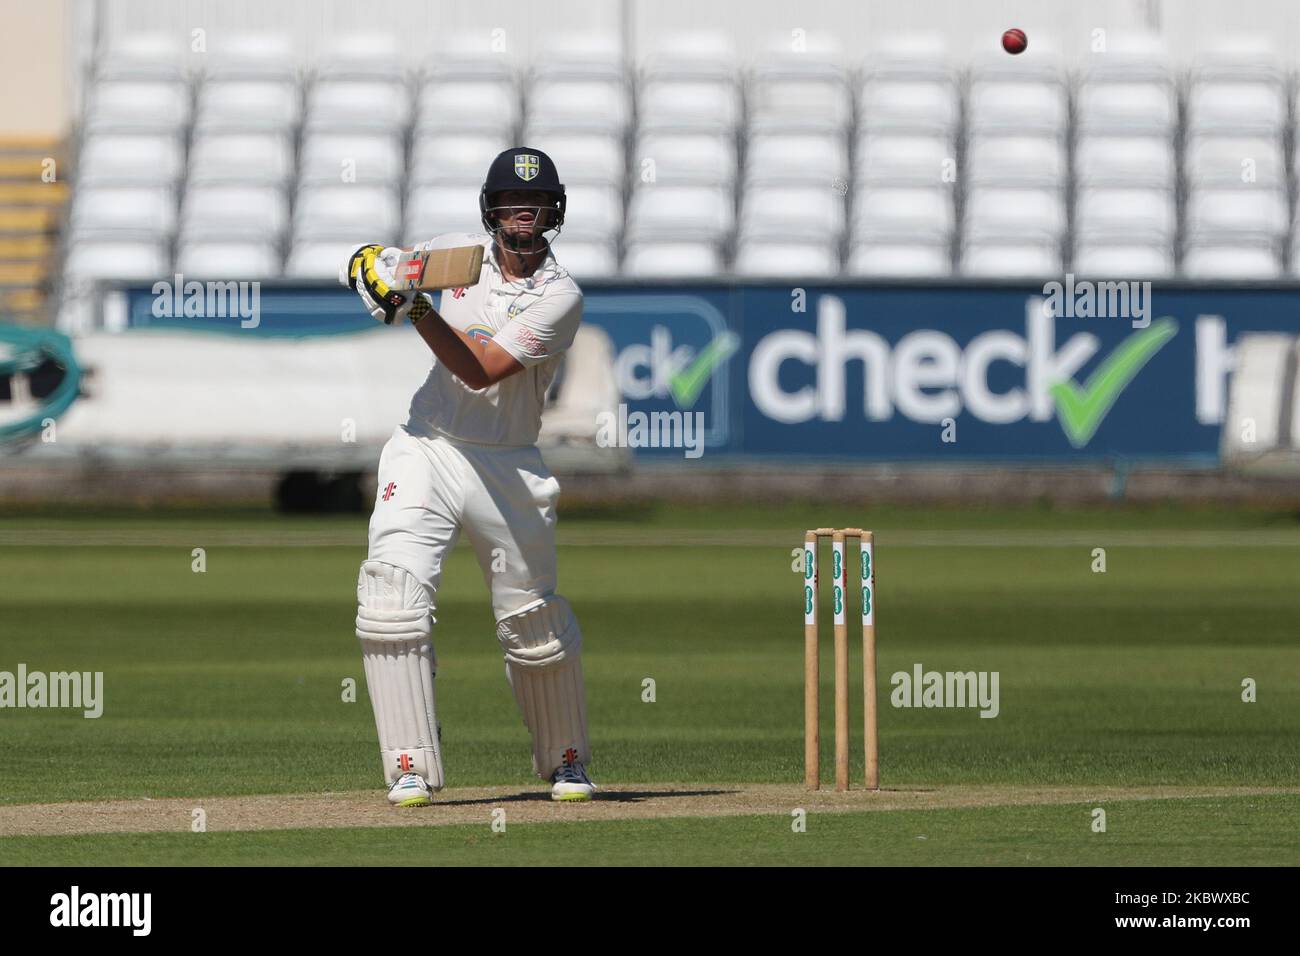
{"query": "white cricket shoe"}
(570, 782)
(410, 791)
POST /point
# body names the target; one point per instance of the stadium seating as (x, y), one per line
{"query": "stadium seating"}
(908, 161)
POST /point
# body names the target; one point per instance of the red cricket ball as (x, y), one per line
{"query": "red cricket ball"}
(1015, 41)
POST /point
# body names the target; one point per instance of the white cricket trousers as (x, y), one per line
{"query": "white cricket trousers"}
(503, 497)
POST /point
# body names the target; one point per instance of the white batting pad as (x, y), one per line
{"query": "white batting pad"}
(395, 625)
(543, 646)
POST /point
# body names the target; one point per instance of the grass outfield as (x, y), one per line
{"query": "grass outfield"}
(1257, 830)
(230, 682)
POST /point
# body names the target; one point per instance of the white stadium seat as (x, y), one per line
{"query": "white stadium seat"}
(467, 55)
(1235, 159)
(1237, 106)
(904, 258)
(683, 158)
(483, 105)
(908, 105)
(593, 212)
(711, 106)
(248, 105)
(1135, 108)
(1124, 160)
(262, 55)
(142, 56)
(115, 259)
(1125, 209)
(1012, 160)
(228, 260)
(1041, 67)
(447, 207)
(1237, 56)
(908, 56)
(256, 158)
(1132, 57)
(375, 158)
(357, 55)
(318, 259)
(147, 158)
(1242, 209)
(702, 213)
(580, 52)
(702, 54)
(899, 158)
(911, 210)
(1003, 105)
(797, 212)
(759, 258)
(1010, 260)
(252, 212)
(328, 212)
(464, 157)
(138, 105)
(1010, 210)
(596, 105)
(1231, 261)
(784, 102)
(581, 157)
(1119, 256)
(355, 105)
(815, 157)
(665, 260)
(587, 260)
(137, 210)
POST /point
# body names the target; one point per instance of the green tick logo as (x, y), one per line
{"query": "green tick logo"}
(1081, 409)
(687, 383)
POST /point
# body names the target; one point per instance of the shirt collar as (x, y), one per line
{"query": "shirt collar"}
(548, 270)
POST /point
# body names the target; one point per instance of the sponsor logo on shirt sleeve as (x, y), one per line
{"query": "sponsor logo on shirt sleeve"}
(529, 342)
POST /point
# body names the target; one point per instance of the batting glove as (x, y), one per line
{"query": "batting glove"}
(369, 272)
(349, 271)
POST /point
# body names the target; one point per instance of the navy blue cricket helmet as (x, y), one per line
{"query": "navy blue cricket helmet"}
(522, 167)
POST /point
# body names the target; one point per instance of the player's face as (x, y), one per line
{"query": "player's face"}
(522, 213)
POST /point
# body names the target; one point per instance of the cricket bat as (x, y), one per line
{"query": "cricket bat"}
(434, 269)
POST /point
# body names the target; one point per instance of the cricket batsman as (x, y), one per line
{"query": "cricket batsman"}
(466, 461)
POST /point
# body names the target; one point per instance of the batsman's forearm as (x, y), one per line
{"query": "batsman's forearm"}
(456, 350)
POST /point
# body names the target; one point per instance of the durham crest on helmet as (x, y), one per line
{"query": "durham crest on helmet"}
(526, 166)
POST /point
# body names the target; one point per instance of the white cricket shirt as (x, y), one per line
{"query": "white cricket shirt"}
(534, 320)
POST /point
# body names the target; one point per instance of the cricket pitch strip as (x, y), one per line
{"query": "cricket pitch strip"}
(470, 805)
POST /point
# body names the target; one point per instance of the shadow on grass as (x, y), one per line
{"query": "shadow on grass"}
(603, 796)
(641, 796)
